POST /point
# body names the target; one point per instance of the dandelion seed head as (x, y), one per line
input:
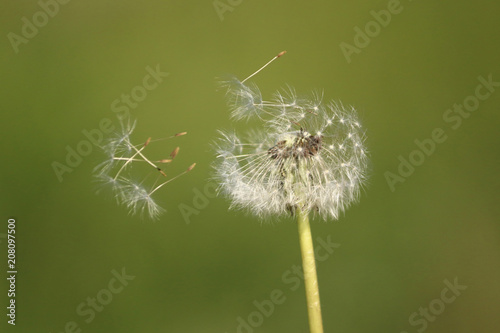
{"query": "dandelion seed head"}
(291, 161)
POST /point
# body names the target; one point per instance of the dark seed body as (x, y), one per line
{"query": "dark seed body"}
(302, 147)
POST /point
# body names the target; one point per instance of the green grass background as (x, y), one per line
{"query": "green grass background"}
(396, 248)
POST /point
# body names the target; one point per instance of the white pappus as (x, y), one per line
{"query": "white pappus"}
(307, 154)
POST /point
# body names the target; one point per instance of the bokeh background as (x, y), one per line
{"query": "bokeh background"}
(200, 274)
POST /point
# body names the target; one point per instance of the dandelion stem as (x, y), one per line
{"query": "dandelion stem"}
(310, 276)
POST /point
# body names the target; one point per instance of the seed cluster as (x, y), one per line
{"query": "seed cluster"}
(306, 154)
(303, 145)
(116, 171)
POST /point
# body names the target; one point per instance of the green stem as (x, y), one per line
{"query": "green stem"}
(310, 276)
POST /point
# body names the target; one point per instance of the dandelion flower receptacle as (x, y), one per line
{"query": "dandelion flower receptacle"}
(306, 156)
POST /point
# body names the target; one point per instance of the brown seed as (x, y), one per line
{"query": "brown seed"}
(165, 161)
(181, 133)
(191, 167)
(174, 152)
(147, 142)
(280, 54)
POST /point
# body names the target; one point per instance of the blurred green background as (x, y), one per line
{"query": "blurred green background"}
(395, 247)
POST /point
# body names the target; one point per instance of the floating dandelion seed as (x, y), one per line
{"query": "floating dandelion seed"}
(309, 156)
(122, 154)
